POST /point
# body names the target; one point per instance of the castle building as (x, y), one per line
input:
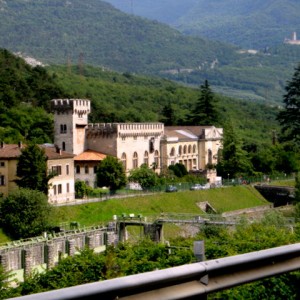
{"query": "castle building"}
(133, 144)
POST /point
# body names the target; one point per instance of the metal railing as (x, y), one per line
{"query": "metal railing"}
(187, 281)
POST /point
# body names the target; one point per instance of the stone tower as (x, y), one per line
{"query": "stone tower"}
(70, 121)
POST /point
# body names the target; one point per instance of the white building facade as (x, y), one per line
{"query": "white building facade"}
(134, 144)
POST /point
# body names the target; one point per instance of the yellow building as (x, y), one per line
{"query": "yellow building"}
(61, 186)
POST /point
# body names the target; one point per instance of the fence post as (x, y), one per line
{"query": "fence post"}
(199, 252)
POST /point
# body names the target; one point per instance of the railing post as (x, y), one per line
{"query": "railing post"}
(199, 252)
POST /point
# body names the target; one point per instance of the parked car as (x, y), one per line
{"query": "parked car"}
(198, 186)
(171, 188)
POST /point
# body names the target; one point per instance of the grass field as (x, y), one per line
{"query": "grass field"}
(222, 199)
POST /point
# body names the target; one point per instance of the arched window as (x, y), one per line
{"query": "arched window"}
(194, 149)
(190, 149)
(156, 158)
(180, 150)
(184, 149)
(146, 158)
(135, 160)
(63, 146)
(172, 153)
(124, 160)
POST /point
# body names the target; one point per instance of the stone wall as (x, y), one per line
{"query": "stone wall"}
(27, 255)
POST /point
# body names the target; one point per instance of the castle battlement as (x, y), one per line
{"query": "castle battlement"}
(76, 106)
(126, 129)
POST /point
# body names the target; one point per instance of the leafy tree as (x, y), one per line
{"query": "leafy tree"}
(25, 213)
(205, 113)
(81, 189)
(6, 291)
(289, 118)
(80, 269)
(110, 173)
(145, 176)
(32, 169)
(297, 190)
(178, 169)
(234, 160)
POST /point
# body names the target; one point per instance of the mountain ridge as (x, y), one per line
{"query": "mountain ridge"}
(249, 24)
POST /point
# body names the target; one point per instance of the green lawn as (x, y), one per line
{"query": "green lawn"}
(222, 199)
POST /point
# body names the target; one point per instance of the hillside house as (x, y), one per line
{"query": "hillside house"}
(61, 186)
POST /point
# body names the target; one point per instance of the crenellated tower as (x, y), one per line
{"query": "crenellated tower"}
(70, 121)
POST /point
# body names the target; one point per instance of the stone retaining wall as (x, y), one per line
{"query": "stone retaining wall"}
(24, 256)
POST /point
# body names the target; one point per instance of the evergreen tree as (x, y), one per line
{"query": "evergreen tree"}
(205, 112)
(169, 118)
(110, 173)
(32, 169)
(234, 161)
(289, 118)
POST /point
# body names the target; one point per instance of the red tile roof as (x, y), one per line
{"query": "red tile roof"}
(13, 151)
(90, 155)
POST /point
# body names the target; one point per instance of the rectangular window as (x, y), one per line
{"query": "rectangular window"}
(95, 169)
(68, 187)
(54, 189)
(56, 170)
(67, 169)
(2, 180)
(77, 169)
(2, 164)
(59, 189)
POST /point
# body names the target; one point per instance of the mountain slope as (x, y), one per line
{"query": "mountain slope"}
(93, 32)
(249, 24)
(57, 30)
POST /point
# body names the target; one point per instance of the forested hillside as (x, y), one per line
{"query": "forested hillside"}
(250, 24)
(94, 33)
(58, 30)
(122, 97)
(25, 95)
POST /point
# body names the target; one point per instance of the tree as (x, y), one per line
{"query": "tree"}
(81, 189)
(234, 160)
(25, 213)
(169, 118)
(32, 169)
(205, 112)
(110, 173)
(289, 118)
(297, 191)
(145, 176)
(178, 169)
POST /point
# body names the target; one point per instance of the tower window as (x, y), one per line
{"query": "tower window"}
(63, 128)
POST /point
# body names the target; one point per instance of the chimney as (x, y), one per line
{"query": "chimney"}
(58, 150)
(20, 144)
(1, 145)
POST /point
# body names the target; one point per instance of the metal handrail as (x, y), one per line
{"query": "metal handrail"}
(187, 281)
